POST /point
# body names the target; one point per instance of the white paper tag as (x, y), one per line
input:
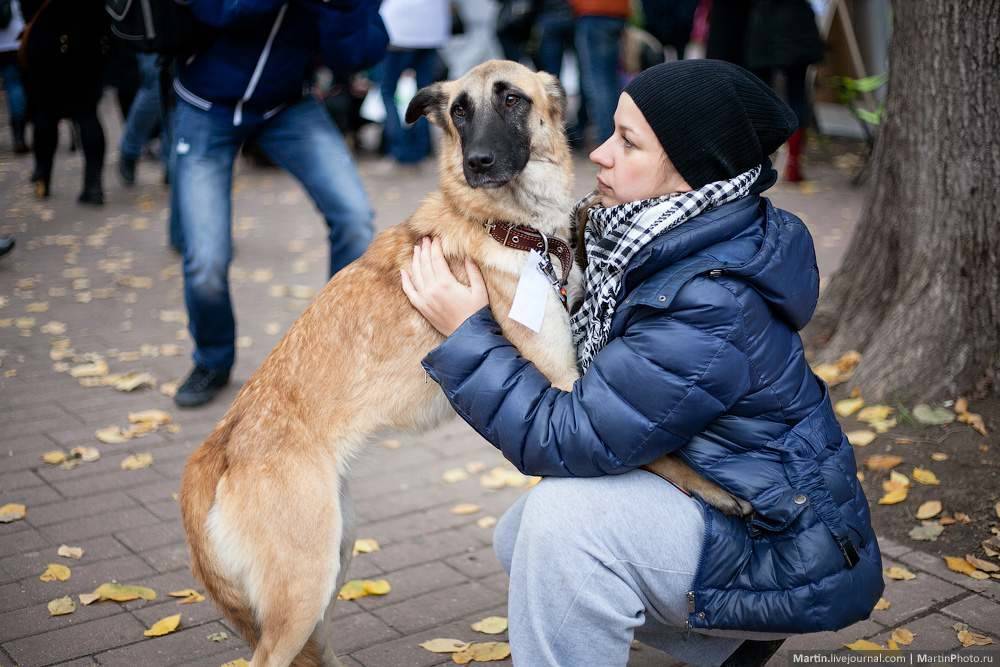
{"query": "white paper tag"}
(532, 292)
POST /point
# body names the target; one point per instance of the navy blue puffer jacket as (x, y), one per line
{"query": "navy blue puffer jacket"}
(704, 360)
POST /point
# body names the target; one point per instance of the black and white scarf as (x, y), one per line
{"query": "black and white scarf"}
(615, 234)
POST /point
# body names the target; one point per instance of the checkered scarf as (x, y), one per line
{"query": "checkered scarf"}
(614, 235)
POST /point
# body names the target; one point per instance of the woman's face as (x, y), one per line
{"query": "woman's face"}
(632, 163)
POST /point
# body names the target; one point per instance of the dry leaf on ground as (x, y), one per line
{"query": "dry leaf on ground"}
(970, 638)
(111, 435)
(927, 531)
(936, 416)
(137, 461)
(55, 572)
(883, 461)
(465, 508)
(238, 662)
(444, 645)
(487, 522)
(164, 626)
(217, 637)
(85, 454)
(861, 438)
(970, 418)
(365, 546)
(482, 652)
(882, 604)
(939, 456)
(491, 625)
(925, 476)
(61, 606)
(981, 564)
(359, 588)
(902, 636)
(929, 509)
(117, 593)
(76, 553)
(453, 475)
(12, 512)
(848, 406)
(864, 645)
(899, 573)
(154, 417)
(55, 457)
(189, 595)
(962, 566)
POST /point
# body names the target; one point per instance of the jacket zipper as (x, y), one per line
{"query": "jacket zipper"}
(259, 69)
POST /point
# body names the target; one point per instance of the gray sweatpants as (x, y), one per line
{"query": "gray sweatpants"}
(594, 562)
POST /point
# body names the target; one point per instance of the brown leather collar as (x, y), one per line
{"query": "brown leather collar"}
(524, 238)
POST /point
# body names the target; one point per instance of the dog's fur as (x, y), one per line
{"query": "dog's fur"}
(264, 499)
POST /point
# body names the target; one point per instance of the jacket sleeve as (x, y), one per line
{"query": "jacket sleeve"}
(352, 36)
(225, 13)
(647, 393)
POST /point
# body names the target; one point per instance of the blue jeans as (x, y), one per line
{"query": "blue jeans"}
(555, 38)
(300, 139)
(406, 144)
(598, 39)
(145, 112)
(16, 102)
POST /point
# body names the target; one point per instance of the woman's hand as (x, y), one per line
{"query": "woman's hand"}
(434, 291)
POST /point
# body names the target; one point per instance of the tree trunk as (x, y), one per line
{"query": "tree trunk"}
(918, 293)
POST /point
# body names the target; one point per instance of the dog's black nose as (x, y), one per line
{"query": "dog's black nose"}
(480, 162)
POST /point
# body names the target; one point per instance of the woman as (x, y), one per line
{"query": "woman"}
(687, 339)
(63, 52)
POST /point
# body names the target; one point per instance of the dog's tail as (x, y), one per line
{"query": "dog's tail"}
(201, 475)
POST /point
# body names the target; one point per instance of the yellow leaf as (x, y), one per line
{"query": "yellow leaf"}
(970, 638)
(465, 508)
(960, 565)
(12, 512)
(97, 368)
(961, 405)
(882, 425)
(190, 596)
(359, 588)
(860, 438)
(76, 553)
(377, 586)
(902, 636)
(365, 546)
(925, 476)
(929, 509)
(118, 593)
(137, 461)
(453, 475)
(154, 417)
(898, 479)
(864, 645)
(132, 381)
(55, 572)
(491, 625)
(164, 626)
(939, 456)
(848, 406)
(882, 604)
(61, 606)
(883, 461)
(875, 413)
(487, 522)
(475, 467)
(828, 373)
(111, 435)
(87, 454)
(899, 573)
(238, 662)
(55, 457)
(482, 652)
(444, 645)
(975, 421)
(893, 497)
(981, 564)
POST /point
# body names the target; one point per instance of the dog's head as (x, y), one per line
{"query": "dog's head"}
(496, 119)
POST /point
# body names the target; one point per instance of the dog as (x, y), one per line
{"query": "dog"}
(264, 499)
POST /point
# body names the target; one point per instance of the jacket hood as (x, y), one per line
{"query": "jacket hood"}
(769, 248)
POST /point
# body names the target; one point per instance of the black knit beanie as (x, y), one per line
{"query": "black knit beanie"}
(715, 120)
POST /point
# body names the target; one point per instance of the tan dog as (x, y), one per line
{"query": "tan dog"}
(264, 499)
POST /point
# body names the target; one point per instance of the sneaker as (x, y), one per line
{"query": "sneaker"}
(201, 386)
(126, 169)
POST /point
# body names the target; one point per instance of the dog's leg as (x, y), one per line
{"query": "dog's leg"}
(674, 470)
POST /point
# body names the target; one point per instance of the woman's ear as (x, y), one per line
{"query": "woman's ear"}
(428, 102)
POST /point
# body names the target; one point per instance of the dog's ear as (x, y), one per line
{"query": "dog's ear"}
(428, 102)
(555, 93)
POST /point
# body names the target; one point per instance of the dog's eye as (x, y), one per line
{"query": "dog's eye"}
(458, 111)
(511, 100)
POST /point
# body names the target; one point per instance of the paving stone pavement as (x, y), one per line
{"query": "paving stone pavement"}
(108, 276)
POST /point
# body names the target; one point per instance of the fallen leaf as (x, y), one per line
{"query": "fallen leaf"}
(482, 652)
(238, 662)
(111, 435)
(465, 508)
(875, 413)
(902, 636)
(132, 381)
(154, 417)
(76, 553)
(899, 573)
(218, 637)
(475, 467)
(97, 368)
(137, 461)
(85, 454)
(883, 461)
(55, 457)
(848, 406)
(53, 328)
(893, 497)
(453, 475)
(164, 626)
(939, 456)
(929, 416)
(491, 625)
(960, 565)
(444, 645)
(903, 441)
(169, 388)
(189, 595)
(896, 480)
(975, 421)
(55, 572)
(981, 564)
(500, 477)
(117, 593)
(359, 588)
(882, 604)
(487, 522)
(925, 476)
(864, 645)
(61, 606)
(860, 438)
(963, 518)
(970, 638)
(12, 512)
(365, 546)
(882, 425)
(927, 531)
(929, 509)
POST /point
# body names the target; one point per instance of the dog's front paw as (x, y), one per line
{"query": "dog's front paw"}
(724, 502)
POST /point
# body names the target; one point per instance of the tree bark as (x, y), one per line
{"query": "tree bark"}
(918, 293)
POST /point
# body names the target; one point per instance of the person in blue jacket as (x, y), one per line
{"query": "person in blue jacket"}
(247, 80)
(687, 338)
